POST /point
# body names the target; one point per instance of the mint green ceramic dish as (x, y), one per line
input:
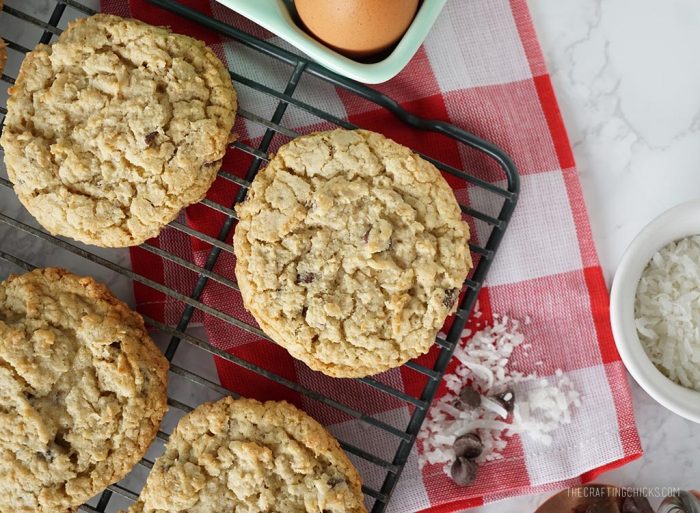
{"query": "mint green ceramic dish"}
(274, 15)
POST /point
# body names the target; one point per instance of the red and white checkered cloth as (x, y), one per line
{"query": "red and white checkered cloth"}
(481, 68)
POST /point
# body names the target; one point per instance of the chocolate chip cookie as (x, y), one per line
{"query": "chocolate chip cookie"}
(116, 127)
(82, 387)
(351, 251)
(243, 455)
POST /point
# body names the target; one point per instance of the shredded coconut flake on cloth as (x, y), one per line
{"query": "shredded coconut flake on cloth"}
(541, 405)
(667, 311)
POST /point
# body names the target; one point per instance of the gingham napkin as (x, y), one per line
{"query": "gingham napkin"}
(481, 68)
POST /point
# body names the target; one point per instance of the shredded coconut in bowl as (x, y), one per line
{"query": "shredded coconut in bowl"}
(667, 311)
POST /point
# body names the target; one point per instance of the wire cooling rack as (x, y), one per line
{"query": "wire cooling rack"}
(24, 245)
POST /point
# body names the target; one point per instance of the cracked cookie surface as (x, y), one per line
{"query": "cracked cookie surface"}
(351, 252)
(115, 127)
(82, 391)
(245, 456)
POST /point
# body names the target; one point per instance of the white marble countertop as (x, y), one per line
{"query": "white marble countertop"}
(626, 76)
(627, 81)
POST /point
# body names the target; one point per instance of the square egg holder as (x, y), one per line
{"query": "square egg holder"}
(279, 17)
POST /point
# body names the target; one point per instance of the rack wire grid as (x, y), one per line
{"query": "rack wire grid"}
(25, 245)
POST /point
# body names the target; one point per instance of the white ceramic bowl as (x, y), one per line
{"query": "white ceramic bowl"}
(674, 224)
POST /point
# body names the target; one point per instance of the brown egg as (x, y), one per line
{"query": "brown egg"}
(357, 28)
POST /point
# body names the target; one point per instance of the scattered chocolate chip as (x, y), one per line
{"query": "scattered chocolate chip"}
(463, 471)
(450, 297)
(151, 137)
(468, 446)
(117, 344)
(636, 505)
(303, 311)
(305, 277)
(335, 481)
(470, 397)
(506, 399)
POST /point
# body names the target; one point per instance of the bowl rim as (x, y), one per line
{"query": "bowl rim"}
(275, 17)
(674, 224)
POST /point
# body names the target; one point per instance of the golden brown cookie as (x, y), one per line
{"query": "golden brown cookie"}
(82, 387)
(243, 455)
(116, 127)
(351, 252)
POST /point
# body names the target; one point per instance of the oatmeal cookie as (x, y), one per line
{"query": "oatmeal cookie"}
(116, 127)
(351, 252)
(245, 456)
(82, 388)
